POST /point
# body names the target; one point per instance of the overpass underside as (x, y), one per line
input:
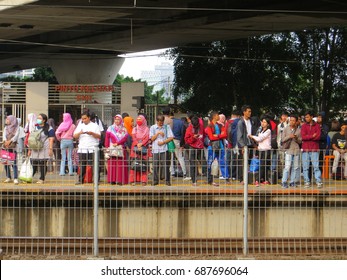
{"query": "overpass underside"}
(39, 32)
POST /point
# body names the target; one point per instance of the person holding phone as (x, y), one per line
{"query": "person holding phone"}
(88, 135)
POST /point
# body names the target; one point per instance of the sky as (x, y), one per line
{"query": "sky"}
(137, 62)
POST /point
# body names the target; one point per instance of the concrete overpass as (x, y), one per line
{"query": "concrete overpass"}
(73, 34)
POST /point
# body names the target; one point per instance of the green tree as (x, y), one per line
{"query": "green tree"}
(44, 74)
(150, 97)
(41, 74)
(271, 73)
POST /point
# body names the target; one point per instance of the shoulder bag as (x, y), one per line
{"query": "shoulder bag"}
(171, 145)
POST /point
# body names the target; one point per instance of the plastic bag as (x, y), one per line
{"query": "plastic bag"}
(88, 177)
(254, 166)
(171, 147)
(214, 168)
(26, 171)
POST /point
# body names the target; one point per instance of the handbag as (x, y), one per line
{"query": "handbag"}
(214, 168)
(285, 145)
(142, 151)
(26, 171)
(171, 145)
(115, 151)
(7, 157)
(138, 165)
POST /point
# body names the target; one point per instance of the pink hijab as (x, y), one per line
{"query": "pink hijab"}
(66, 124)
(140, 131)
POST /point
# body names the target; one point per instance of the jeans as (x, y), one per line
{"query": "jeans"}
(180, 157)
(314, 158)
(15, 169)
(288, 160)
(220, 156)
(66, 145)
(337, 160)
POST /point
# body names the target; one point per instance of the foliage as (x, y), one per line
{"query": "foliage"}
(150, 97)
(287, 71)
(44, 74)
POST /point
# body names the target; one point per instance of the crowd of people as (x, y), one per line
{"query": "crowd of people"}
(188, 146)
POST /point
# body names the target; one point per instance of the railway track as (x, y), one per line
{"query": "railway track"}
(198, 246)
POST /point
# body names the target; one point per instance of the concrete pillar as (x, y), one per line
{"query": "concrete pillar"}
(89, 70)
(129, 90)
(36, 98)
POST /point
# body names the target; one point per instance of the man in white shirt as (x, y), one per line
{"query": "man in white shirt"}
(88, 135)
(160, 136)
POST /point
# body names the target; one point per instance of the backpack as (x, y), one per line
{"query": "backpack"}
(34, 140)
(274, 144)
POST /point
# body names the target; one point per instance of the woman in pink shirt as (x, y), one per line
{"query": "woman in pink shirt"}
(263, 140)
(64, 134)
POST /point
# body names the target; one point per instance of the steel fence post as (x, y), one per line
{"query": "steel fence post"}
(96, 202)
(245, 201)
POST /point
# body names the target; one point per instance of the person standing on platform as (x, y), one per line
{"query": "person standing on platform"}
(64, 134)
(29, 127)
(11, 135)
(20, 143)
(139, 150)
(194, 137)
(117, 165)
(40, 156)
(263, 139)
(178, 132)
(129, 124)
(244, 128)
(88, 135)
(290, 143)
(160, 136)
(310, 133)
(340, 150)
(216, 133)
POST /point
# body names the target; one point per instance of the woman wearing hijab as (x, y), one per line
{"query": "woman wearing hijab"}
(128, 123)
(11, 135)
(140, 135)
(20, 143)
(117, 167)
(29, 127)
(64, 134)
(40, 157)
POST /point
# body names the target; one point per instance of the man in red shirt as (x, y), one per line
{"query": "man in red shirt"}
(216, 133)
(310, 132)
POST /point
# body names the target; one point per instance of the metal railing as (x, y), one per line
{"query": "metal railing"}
(154, 207)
